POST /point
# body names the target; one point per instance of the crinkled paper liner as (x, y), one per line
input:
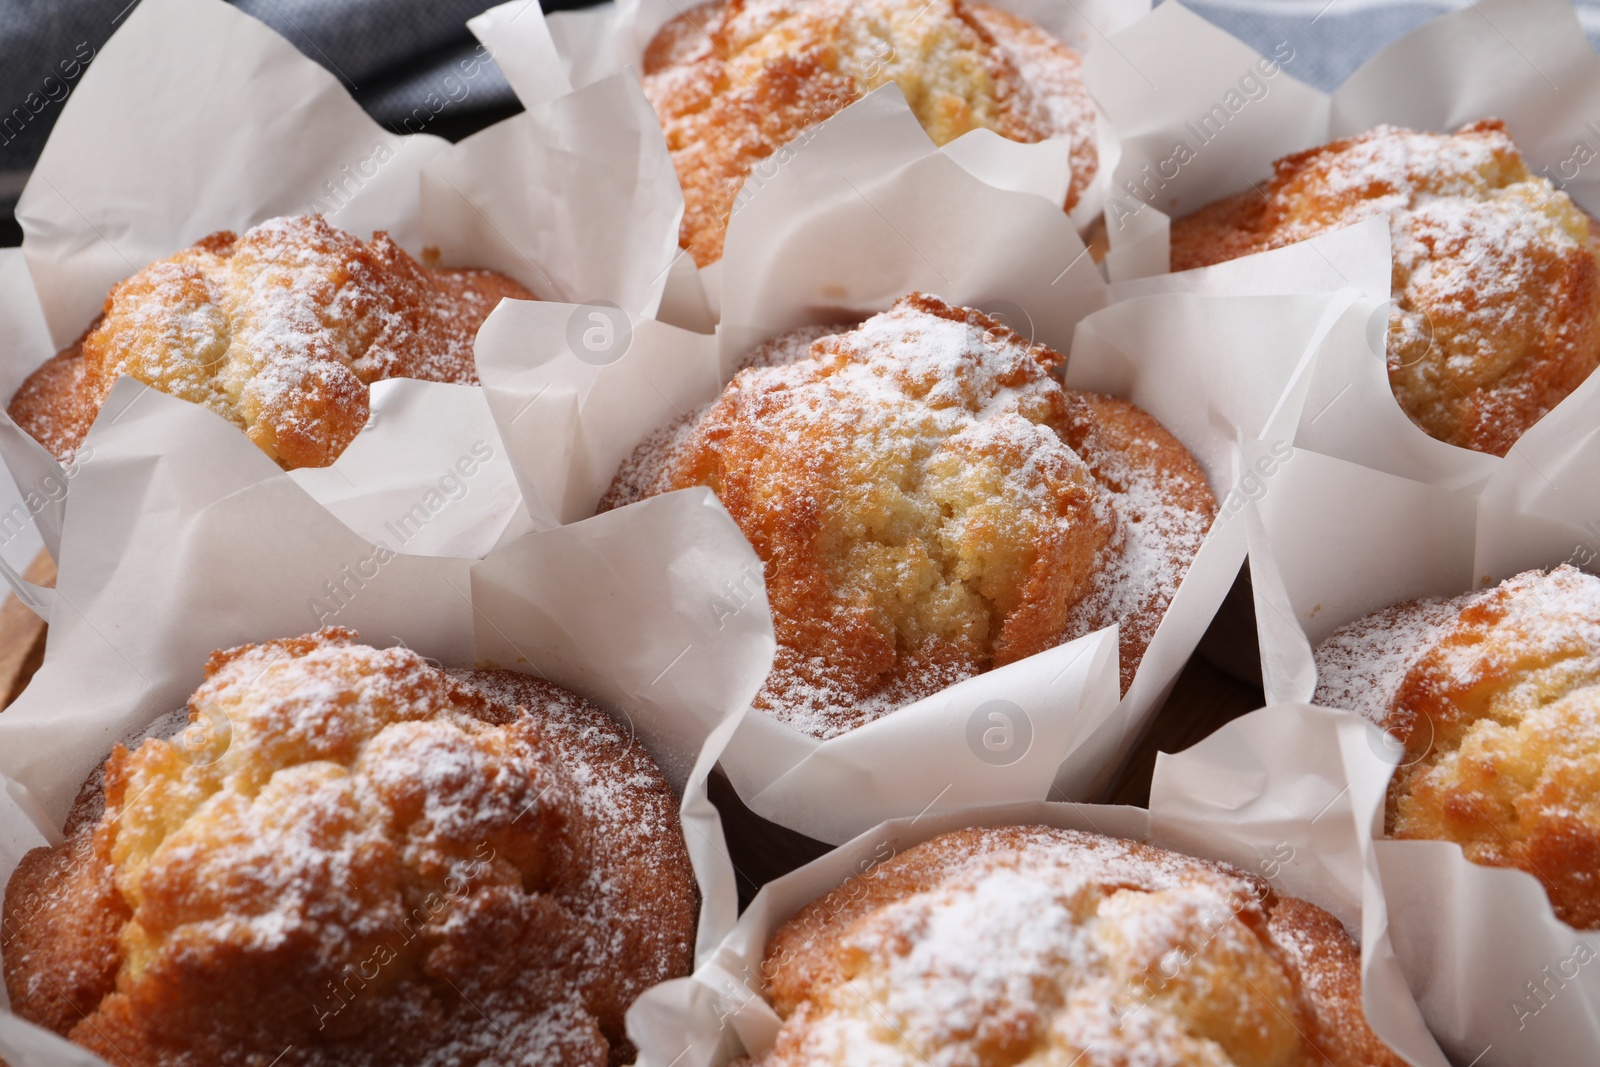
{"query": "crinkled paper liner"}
(1200, 805)
(183, 538)
(1201, 116)
(544, 59)
(864, 212)
(1500, 980)
(196, 118)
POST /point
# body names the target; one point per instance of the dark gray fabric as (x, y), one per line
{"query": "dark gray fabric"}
(444, 86)
(362, 39)
(390, 54)
(42, 44)
(395, 56)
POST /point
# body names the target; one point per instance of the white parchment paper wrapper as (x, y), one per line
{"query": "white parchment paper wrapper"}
(565, 197)
(1332, 541)
(608, 41)
(1227, 376)
(867, 210)
(719, 1013)
(32, 478)
(1295, 793)
(1201, 116)
(183, 537)
(574, 392)
(196, 118)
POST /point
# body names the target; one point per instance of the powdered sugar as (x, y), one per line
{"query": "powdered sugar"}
(1140, 571)
(1360, 665)
(1136, 573)
(1493, 271)
(1537, 618)
(631, 819)
(1496, 699)
(1058, 946)
(1052, 73)
(280, 331)
(930, 503)
(491, 855)
(1466, 219)
(745, 80)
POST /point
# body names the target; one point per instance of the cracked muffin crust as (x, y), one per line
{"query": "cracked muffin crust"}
(1496, 696)
(929, 503)
(279, 330)
(734, 82)
(1029, 944)
(353, 857)
(1496, 287)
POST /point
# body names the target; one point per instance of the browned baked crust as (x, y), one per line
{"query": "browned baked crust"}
(1496, 696)
(353, 857)
(931, 503)
(280, 331)
(990, 946)
(735, 82)
(1496, 285)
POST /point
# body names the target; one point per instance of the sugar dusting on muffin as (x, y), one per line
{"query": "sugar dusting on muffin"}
(1496, 287)
(931, 503)
(1033, 944)
(280, 331)
(1165, 508)
(1361, 665)
(1496, 697)
(365, 858)
(733, 83)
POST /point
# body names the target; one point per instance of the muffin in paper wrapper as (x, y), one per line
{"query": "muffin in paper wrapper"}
(196, 118)
(184, 538)
(1499, 978)
(574, 389)
(720, 1013)
(546, 57)
(1200, 116)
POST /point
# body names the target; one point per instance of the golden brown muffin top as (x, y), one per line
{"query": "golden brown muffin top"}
(1496, 313)
(356, 854)
(1496, 696)
(734, 82)
(280, 331)
(1027, 943)
(930, 503)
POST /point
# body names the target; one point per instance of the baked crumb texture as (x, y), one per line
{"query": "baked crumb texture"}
(734, 82)
(361, 859)
(280, 331)
(1033, 945)
(1496, 312)
(1496, 695)
(930, 503)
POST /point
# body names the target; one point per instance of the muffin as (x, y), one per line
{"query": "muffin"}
(1496, 310)
(1028, 944)
(349, 856)
(735, 82)
(929, 502)
(280, 331)
(1496, 698)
